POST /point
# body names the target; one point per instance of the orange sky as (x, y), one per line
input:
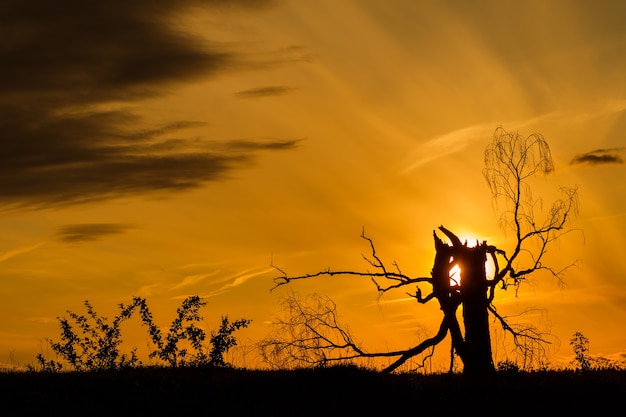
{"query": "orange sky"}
(166, 150)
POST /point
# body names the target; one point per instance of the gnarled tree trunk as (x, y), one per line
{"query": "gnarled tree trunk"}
(478, 356)
(471, 293)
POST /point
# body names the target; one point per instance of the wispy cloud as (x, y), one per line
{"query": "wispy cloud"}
(275, 90)
(64, 64)
(599, 157)
(447, 144)
(151, 289)
(43, 319)
(88, 232)
(192, 280)
(19, 251)
(240, 279)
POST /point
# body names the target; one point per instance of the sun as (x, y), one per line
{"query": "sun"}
(490, 268)
(469, 239)
(455, 276)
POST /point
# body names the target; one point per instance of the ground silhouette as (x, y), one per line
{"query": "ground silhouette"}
(333, 391)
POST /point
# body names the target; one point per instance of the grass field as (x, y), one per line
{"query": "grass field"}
(340, 391)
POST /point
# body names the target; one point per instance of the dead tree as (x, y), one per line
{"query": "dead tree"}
(510, 160)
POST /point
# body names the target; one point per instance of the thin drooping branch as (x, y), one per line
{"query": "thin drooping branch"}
(516, 333)
(311, 334)
(510, 161)
(529, 342)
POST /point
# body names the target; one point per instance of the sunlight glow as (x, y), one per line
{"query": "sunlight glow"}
(489, 268)
(471, 241)
(455, 276)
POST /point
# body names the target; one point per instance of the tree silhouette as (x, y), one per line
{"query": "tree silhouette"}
(459, 276)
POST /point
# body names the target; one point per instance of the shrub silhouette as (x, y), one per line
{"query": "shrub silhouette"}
(91, 342)
(585, 361)
(580, 345)
(223, 340)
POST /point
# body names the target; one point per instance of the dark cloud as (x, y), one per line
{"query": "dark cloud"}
(100, 50)
(277, 90)
(54, 161)
(251, 145)
(86, 232)
(65, 60)
(599, 157)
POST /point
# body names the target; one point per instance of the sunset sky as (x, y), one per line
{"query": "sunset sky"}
(170, 148)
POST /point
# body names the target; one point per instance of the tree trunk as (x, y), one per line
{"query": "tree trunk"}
(478, 356)
(475, 349)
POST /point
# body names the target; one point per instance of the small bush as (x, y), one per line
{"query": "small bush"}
(507, 366)
(580, 345)
(91, 342)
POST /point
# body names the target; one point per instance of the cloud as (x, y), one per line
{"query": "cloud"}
(599, 157)
(15, 252)
(276, 90)
(109, 50)
(65, 63)
(250, 145)
(88, 232)
(446, 144)
(239, 279)
(193, 280)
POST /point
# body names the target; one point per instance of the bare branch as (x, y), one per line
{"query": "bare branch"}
(426, 344)
(310, 335)
(397, 279)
